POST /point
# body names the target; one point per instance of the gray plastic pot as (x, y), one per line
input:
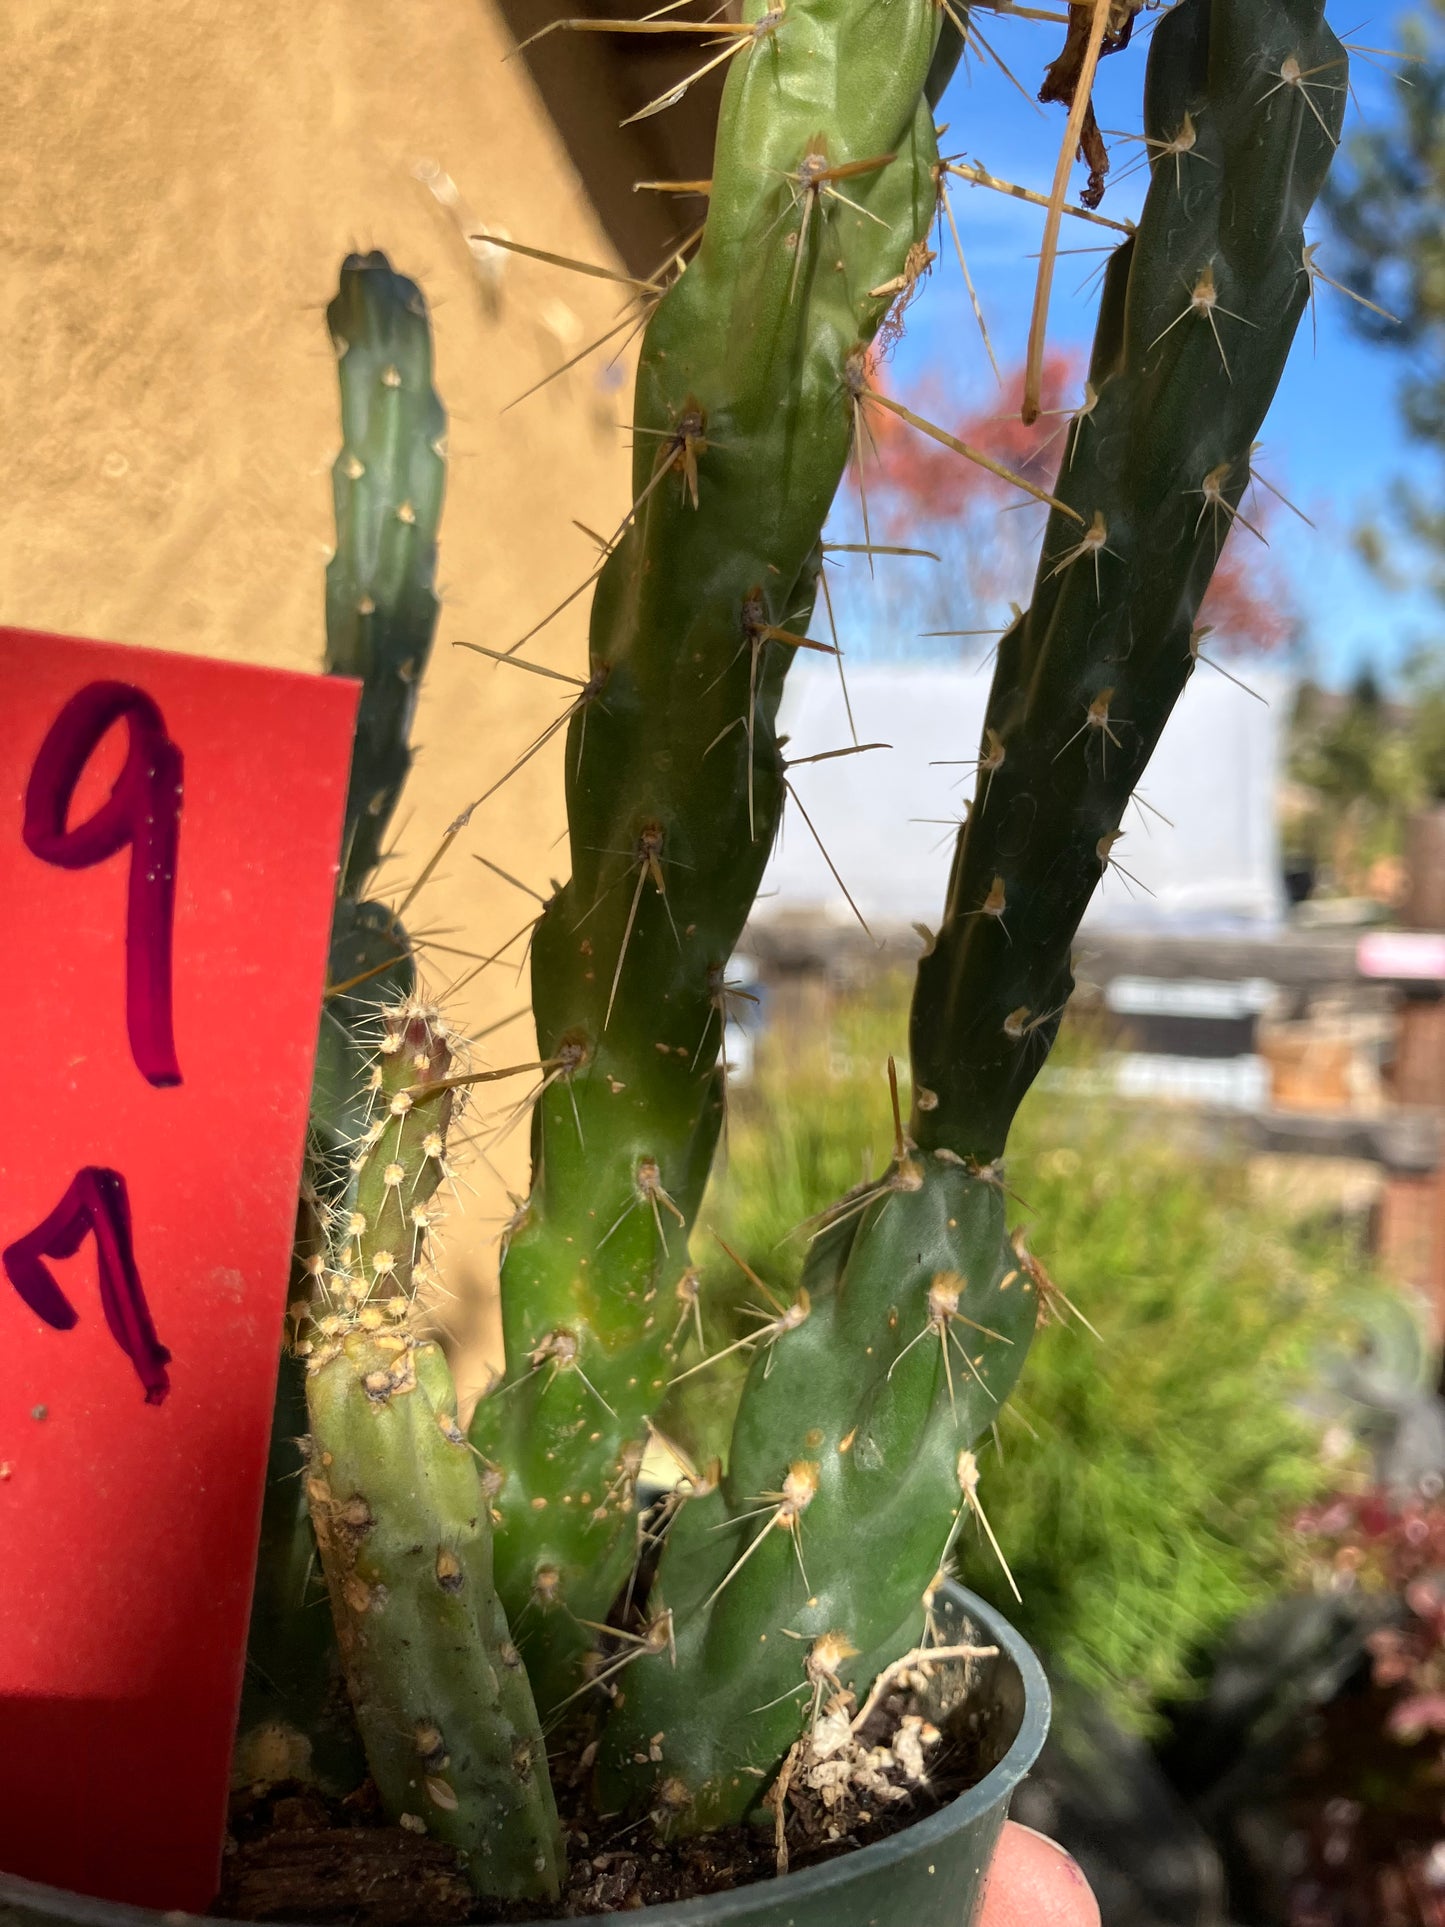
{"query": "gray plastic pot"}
(928, 1875)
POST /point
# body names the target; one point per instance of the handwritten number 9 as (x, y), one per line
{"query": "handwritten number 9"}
(142, 810)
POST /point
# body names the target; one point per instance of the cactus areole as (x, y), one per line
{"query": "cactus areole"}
(487, 1591)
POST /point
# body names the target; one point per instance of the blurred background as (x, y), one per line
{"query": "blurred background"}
(1219, 1493)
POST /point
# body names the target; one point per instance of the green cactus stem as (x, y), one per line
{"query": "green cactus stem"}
(855, 1428)
(381, 610)
(821, 200)
(1243, 105)
(842, 1496)
(440, 1691)
(387, 484)
(397, 1502)
(296, 1721)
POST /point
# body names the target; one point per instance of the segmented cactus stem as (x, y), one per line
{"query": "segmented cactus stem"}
(399, 1507)
(851, 1464)
(820, 204)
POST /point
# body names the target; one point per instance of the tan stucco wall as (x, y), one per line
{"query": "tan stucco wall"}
(179, 180)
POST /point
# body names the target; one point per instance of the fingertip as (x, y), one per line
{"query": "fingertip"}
(1032, 1882)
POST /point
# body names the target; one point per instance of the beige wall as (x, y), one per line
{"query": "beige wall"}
(179, 180)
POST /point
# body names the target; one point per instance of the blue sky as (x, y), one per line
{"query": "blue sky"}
(1333, 440)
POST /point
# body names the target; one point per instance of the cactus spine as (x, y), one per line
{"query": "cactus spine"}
(853, 1431)
(821, 199)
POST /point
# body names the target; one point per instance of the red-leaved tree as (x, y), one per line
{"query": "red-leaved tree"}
(910, 491)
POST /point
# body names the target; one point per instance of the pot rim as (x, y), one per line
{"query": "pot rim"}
(706, 1910)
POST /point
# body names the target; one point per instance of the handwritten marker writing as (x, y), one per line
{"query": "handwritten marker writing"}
(169, 835)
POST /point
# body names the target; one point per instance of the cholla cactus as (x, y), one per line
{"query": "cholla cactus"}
(388, 480)
(387, 483)
(802, 1570)
(821, 199)
(854, 1434)
(441, 1695)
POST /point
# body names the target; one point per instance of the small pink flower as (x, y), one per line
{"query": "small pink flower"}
(1414, 1717)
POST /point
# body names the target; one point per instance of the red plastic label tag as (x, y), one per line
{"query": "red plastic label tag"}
(169, 833)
